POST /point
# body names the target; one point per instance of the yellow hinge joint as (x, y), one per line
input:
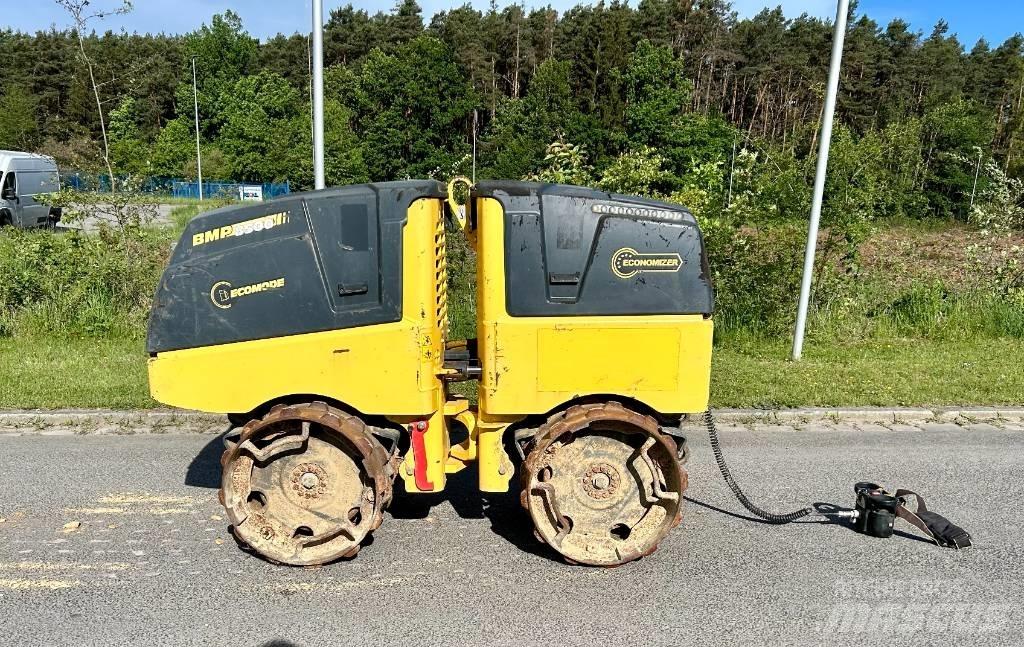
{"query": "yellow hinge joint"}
(465, 452)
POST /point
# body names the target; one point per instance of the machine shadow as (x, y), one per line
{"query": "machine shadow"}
(507, 518)
(204, 470)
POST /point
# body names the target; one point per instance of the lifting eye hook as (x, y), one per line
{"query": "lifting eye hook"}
(459, 210)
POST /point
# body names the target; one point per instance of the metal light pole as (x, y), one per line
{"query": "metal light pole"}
(318, 94)
(474, 145)
(732, 170)
(199, 155)
(977, 170)
(819, 175)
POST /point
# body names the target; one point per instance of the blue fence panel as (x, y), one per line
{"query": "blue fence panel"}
(273, 190)
(85, 181)
(72, 181)
(226, 189)
(158, 185)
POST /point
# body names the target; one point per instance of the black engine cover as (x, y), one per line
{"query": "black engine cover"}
(576, 251)
(305, 263)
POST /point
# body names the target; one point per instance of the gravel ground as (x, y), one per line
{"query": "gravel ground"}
(162, 216)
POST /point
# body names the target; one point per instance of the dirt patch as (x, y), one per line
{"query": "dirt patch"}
(904, 255)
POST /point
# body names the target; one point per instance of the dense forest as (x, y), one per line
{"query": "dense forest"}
(671, 97)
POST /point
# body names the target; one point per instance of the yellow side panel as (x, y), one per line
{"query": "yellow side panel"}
(372, 369)
(532, 365)
(535, 364)
(605, 358)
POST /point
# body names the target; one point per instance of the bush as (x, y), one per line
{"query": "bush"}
(639, 172)
(756, 275)
(932, 310)
(74, 285)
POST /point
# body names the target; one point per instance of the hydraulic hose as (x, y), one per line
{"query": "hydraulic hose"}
(770, 517)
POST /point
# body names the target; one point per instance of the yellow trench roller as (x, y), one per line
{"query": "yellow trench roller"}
(319, 323)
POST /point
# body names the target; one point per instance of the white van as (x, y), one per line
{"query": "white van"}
(23, 178)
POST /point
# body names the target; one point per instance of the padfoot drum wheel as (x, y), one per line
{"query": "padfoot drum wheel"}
(602, 484)
(305, 484)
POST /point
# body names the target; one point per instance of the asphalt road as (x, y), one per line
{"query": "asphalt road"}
(152, 562)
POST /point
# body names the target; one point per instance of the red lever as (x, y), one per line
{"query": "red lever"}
(419, 455)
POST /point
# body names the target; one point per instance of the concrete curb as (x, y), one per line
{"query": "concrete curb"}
(868, 415)
(102, 422)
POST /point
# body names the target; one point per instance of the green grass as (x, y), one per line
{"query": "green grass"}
(181, 215)
(47, 373)
(877, 372)
(167, 199)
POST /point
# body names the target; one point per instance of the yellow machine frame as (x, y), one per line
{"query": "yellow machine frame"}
(530, 365)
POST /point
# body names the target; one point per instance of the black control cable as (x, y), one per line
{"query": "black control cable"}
(770, 517)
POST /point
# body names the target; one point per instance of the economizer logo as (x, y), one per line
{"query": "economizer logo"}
(627, 262)
(223, 295)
